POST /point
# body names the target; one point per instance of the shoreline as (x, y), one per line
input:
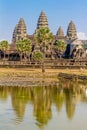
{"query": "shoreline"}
(73, 76)
(34, 77)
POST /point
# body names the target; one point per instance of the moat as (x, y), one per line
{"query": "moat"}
(61, 106)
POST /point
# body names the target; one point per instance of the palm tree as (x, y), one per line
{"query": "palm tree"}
(27, 47)
(24, 47)
(20, 48)
(4, 46)
(44, 37)
(60, 46)
(37, 56)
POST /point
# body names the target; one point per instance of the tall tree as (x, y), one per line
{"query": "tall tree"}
(20, 48)
(24, 47)
(37, 56)
(4, 46)
(60, 46)
(44, 38)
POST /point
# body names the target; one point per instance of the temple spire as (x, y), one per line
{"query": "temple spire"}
(60, 32)
(71, 31)
(19, 31)
(42, 20)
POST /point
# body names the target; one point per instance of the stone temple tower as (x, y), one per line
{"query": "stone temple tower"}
(71, 31)
(60, 32)
(42, 21)
(19, 31)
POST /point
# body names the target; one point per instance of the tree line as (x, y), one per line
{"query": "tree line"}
(45, 41)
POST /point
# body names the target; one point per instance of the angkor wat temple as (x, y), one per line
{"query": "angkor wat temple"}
(74, 47)
(20, 30)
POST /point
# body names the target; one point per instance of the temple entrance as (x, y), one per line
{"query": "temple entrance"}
(1, 54)
(14, 57)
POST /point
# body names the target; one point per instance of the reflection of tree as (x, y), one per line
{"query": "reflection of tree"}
(20, 97)
(74, 92)
(42, 104)
(70, 92)
(70, 104)
(4, 93)
(42, 98)
(58, 98)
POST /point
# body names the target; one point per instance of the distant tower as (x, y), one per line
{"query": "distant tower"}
(42, 21)
(19, 31)
(71, 31)
(60, 32)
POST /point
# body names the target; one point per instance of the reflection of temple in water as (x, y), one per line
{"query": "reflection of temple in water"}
(20, 97)
(67, 95)
(42, 105)
(4, 93)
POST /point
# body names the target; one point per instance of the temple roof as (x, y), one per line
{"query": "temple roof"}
(60, 32)
(71, 31)
(21, 23)
(71, 26)
(19, 31)
(42, 20)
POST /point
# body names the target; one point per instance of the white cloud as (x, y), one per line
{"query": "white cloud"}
(82, 35)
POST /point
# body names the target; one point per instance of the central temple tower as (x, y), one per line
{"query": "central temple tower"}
(42, 21)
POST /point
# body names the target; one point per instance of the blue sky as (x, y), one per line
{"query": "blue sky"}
(59, 12)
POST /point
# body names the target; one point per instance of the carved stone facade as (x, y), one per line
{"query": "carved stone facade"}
(19, 31)
(42, 21)
(75, 50)
(60, 32)
(71, 31)
(74, 46)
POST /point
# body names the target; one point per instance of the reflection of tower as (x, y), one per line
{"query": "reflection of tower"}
(4, 93)
(41, 126)
(71, 31)
(42, 105)
(20, 97)
(70, 104)
(19, 31)
(59, 99)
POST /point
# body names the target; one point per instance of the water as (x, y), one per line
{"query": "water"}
(61, 107)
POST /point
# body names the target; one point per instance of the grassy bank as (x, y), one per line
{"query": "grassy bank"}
(30, 76)
(26, 72)
(26, 77)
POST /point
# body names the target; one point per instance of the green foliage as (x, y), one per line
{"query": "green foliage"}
(24, 46)
(44, 36)
(4, 45)
(60, 45)
(38, 56)
(19, 46)
(84, 46)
